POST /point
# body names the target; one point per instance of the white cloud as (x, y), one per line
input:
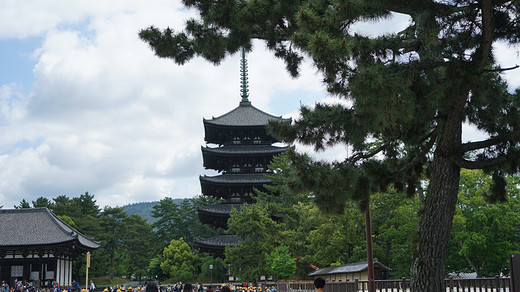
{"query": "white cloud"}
(105, 115)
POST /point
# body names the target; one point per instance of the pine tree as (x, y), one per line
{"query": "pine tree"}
(410, 93)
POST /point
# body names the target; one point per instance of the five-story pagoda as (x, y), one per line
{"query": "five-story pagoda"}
(241, 152)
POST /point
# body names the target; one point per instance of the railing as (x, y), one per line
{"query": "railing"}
(452, 285)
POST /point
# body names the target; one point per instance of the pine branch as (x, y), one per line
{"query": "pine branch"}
(470, 146)
(416, 158)
(410, 7)
(492, 162)
(488, 28)
(501, 69)
(363, 155)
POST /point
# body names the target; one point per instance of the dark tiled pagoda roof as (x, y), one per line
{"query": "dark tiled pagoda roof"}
(38, 227)
(216, 215)
(239, 178)
(244, 115)
(245, 150)
(220, 209)
(348, 268)
(216, 245)
(218, 241)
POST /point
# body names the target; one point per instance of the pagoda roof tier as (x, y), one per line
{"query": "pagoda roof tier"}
(216, 215)
(244, 150)
(245, 115)
(233, 186)
(217, 244)
(39, 227)
(236, 179)
(222, 210)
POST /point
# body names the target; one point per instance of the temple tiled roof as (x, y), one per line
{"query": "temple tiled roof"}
(245, 149)
(36, 227)
(239, 178)
(218, 241)
(245, 115)
(348, 268)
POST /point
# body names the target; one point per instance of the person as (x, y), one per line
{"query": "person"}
(151, 287)
(75, 286)
(319, 283)
(92, 287)
(225, 289)
(187, 287)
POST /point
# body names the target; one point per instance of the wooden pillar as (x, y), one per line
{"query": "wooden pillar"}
(370, 259)
(41, 274)
(2, 266)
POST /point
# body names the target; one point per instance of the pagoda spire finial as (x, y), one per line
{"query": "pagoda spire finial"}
(244, 87)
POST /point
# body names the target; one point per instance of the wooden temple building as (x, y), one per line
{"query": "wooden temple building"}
(241, 151)
(37, 246)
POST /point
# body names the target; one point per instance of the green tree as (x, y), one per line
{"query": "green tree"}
(179, 261)
(279, 199)
(111, 220)
(23, 205)
(409, 92)
(154, 268)
(139, 242)
(394, 221)
(280, 263)
(482, 236)
(259, 234)
(42, 202)
(179, 220)
(217, 274)
(68, 220)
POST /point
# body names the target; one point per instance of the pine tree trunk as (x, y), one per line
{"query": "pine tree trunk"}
(434, 227)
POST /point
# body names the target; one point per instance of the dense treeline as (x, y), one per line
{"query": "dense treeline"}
(284, 233)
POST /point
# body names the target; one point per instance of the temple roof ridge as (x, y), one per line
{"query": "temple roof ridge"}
(37, 226)
(245, 115)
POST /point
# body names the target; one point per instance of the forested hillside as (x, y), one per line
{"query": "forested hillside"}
(144, 209)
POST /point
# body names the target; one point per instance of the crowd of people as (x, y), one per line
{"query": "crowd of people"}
(53, 286)
(188, 287)
(18, 286)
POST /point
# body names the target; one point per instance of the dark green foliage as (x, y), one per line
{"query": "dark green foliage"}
(219, 272)
(111, 222)
(139, 244)
(259, 234)
(23, 205)
(180, 220)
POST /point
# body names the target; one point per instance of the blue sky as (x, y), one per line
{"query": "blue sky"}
(85, 106)
(17, 61)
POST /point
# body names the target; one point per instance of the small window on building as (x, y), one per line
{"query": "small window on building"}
(50, 267)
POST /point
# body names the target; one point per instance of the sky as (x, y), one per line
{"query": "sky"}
(86, 106)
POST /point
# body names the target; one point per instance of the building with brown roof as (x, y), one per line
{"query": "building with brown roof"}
(351, 272)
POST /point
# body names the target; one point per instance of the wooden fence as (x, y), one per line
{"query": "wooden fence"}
(452, 285)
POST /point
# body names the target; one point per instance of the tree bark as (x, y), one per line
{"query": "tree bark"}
(434, 227)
